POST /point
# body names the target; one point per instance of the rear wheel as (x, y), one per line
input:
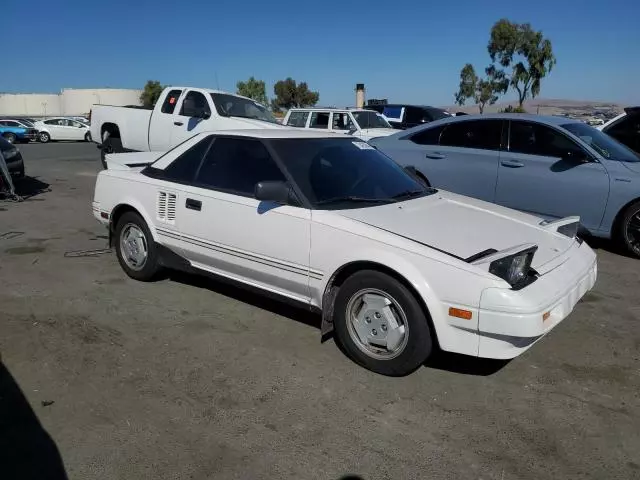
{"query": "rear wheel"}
(380, 324)
(10, 137)
(629, 229)
(109, 145)
(44, 137)
(87, 137)
(135, 248)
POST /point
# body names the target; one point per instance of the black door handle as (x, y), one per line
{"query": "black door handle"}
(178, 124)
(192, 204)
(435, 155)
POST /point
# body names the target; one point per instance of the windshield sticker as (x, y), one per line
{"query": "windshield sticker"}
(363, 146)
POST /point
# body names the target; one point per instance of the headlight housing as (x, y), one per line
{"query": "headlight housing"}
(515, 269)
(10, 153)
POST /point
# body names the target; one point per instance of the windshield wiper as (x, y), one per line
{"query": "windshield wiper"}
(408, 194)
(352, 198)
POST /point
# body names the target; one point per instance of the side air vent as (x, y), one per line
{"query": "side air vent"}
(166, 208)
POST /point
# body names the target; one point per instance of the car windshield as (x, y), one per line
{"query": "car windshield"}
(602, 143)
(233, 106)
(370, 120)
(27, 123)
(343, 173)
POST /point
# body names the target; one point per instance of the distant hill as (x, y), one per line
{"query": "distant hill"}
(551, 106)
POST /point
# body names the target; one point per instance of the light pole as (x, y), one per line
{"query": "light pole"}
(44, 107)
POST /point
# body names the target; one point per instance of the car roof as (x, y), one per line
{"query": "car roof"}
(277, 133)
(330, 109)
(545, 119)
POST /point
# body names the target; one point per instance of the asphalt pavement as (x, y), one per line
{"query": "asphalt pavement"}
(190, 378)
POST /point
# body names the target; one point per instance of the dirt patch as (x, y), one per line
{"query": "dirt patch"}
(25, 250)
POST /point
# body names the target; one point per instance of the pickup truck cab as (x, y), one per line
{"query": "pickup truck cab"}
(361, 123)
(180, 113)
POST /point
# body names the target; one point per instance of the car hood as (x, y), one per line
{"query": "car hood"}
(463, 226)
(249, 123)
(378, 132)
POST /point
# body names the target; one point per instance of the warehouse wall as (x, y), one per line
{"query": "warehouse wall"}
(30, 104)
(70, 101)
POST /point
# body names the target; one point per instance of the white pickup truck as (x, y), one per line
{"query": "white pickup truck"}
(180, 113)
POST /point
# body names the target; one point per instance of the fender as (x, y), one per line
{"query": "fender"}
(136, 205)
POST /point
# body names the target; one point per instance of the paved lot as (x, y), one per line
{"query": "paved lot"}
(188, 378)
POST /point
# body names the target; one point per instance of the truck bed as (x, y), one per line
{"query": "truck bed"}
(133, 123)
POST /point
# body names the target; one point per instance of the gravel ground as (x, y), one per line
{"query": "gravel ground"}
(190, 378)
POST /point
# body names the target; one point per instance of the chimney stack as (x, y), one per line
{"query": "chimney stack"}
(359, 95)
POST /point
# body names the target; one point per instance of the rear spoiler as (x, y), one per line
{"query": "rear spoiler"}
(128, 161)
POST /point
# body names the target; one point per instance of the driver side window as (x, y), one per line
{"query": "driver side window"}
(536, 139)
(194, 105)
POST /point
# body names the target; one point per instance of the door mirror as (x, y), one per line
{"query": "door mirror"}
(204, 114)
(270, 191)
(352, 130)
(576, 156)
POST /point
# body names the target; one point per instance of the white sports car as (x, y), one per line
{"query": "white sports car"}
(326, 220)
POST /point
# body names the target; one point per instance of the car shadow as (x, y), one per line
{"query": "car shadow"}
(607, 245)
(26, 449)
(29, 187)
(247, 294)
(464, 364)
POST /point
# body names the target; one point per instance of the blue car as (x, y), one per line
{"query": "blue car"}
(14, 131)
(552, 167)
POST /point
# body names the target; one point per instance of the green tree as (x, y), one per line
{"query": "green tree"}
(526, 51)
(483, 91)
(151, 93)
(289, 94)
(254, 89)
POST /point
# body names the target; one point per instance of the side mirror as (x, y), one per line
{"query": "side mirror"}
(273, 191)
(576, 156)
(352, 131)
(203, 114)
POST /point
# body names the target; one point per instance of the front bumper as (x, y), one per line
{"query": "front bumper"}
(99, 214)
(510, 322)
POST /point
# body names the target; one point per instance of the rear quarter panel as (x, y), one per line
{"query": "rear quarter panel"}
(133, 124)
(624, 189)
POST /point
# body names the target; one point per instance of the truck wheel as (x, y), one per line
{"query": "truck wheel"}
(44, 137)
(135, 248)
(10, 137)
(109, 145)
(380, 324)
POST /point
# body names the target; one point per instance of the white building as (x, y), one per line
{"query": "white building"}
(70, 101)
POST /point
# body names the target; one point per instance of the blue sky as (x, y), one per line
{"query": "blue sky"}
(406, 51)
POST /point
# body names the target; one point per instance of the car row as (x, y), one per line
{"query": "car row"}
(323, 219)
(54, 128)
(551, 167)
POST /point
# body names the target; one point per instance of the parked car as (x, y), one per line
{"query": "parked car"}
(408, 116)
(16, 122)
(60, 128)
(180, 113)
(326, 220)
(13, 132)
(549, 166)
(364, 124)
(13, 158)
(625, 128)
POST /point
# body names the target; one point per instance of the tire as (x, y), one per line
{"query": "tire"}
(87, 137)
(132, 224)
(10, 137)
(359, 295)
(109, 145)
(629, 230)
(44, 137)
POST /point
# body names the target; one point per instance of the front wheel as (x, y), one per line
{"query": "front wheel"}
(380, 324)
(629, 234)
(135, 248)
(44, 137)
(87, 137)
(10, 137)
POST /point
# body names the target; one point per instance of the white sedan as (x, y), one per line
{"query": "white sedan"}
(324, 219)
(62, 129)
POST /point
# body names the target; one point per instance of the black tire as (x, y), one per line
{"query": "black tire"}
(87, 137)
(151, 267)
(10, 137)
(109, 145)
(44, 137)
(629, 230)
(418, 344)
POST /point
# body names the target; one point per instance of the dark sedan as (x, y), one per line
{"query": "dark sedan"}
(13, 157)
